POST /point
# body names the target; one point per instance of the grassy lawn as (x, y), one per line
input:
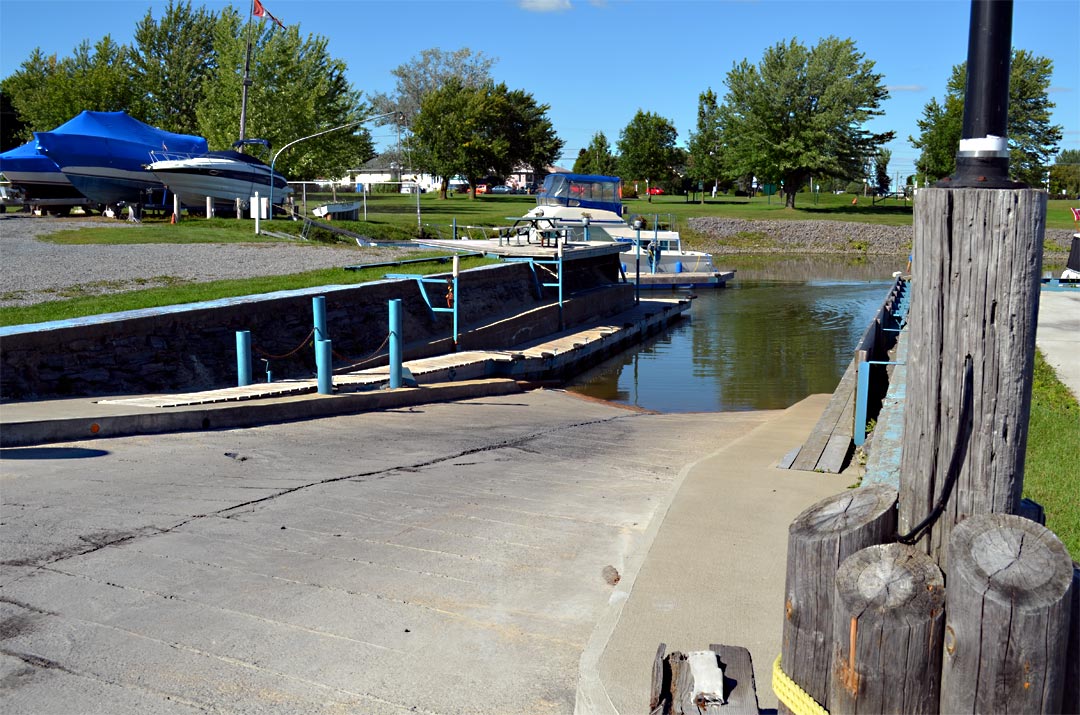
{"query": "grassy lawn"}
(195, 292)
(1053, 451)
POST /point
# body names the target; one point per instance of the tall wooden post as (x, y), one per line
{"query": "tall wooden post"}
(975, 294)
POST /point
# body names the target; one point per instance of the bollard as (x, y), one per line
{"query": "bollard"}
(457, 300)
(318, 307)
(176, 208)
(324, 363)
(239, 209)
(243, 358)
(395, 343)
(209, 207)
(257, 212)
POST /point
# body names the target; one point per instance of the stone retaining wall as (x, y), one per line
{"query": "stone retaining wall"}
(193, 347)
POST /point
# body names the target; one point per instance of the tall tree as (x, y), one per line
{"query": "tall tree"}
(46, 91)
(1065, 174)
(11, 127)
(800, 112)
(297, 90)
(597, 158)
(1033, 140)
(881, 170)
(473, 131)
(427, 72)
(704, 146)
(170, 61)
(647, 148)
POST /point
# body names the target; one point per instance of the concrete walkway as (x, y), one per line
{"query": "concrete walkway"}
(1058, 335)
(714, 566)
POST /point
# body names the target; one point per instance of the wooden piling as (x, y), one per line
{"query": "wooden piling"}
(818, 541)
(1071, 703)
(975, 292)
(888, 624)
(1007, 617)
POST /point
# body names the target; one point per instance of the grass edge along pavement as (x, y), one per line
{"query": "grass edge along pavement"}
(176, 294)
(1053, 451)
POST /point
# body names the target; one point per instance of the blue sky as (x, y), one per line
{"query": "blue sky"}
(596, 62)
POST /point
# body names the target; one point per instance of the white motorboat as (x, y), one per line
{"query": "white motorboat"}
(224, 176)
(589, 207)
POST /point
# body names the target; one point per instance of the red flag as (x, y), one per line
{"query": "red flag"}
(259, 11)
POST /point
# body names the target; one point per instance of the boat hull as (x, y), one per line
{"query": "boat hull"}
(223, 179)
(103, 153)
(37, 176)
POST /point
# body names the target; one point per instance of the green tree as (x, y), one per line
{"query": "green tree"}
(647, 149)
(881, 170)
(1033, 141)
(170, 62)
(800, 112)
(474, 131)
(427, 72)
(597, 158)
(11, 127)
(1065, 174)
(704, 145)
(533, 141)
(297, 90)
(46, 91)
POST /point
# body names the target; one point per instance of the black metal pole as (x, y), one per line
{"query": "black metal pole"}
(983, 157)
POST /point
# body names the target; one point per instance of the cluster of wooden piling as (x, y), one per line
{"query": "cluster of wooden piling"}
(978, 611)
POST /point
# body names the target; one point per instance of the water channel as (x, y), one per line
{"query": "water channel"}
(785, 328)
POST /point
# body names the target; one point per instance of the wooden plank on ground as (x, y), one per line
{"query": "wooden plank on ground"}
(835, 454)
(816, 443)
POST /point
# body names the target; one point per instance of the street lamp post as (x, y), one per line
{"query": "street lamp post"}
(312, 136)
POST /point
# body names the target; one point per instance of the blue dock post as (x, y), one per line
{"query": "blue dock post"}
(862, 389)
(243, 358)
(324, 363)
(456, 301)
(562, 325)
(318, 307)
(395, 343)
(637, 262)
(585, 222)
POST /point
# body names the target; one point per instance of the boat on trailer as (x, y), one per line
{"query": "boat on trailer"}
(589, 207)
(222, 176)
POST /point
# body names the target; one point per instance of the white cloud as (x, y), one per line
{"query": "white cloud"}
(545, 5)
(905, 88)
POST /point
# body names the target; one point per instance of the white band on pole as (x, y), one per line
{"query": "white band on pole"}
(984, 144)
(456, 259)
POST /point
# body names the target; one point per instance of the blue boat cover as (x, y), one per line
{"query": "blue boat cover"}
(121, 127)
(583, 190)
(27, 158)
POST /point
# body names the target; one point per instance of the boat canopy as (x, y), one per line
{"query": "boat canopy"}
(120, 127)
(590, 191)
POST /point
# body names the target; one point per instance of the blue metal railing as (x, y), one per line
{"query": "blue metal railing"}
(452, 296)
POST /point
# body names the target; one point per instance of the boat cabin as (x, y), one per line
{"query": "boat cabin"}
(586, 191)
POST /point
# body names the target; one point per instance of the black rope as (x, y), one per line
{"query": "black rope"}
(373, 357)
(963, 436)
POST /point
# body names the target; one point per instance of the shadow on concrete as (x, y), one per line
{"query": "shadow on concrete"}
(12, 453)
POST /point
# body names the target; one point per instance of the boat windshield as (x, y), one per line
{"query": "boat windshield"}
(582, 190)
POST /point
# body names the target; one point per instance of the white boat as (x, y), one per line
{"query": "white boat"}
(224, 176)
(347, 210)
(567, 200)
(1072, 267)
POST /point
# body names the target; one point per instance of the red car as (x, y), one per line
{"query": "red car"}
(655, 191)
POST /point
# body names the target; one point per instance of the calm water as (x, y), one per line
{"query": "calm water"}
(776, 334)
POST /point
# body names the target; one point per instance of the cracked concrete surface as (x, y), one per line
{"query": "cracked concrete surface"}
(448, 558)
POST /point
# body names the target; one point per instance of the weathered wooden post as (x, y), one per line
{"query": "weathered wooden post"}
(1007, 617)
(888, 624)
(975, 298)
(818, 541)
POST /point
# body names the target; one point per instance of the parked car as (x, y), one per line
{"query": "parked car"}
(500, 189)
(656, 191)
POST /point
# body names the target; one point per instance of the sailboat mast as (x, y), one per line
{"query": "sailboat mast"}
(247, 76)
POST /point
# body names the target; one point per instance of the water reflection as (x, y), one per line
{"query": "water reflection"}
(758, 344)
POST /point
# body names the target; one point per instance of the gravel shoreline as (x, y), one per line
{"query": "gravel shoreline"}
(34, 271)
(732, 235)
